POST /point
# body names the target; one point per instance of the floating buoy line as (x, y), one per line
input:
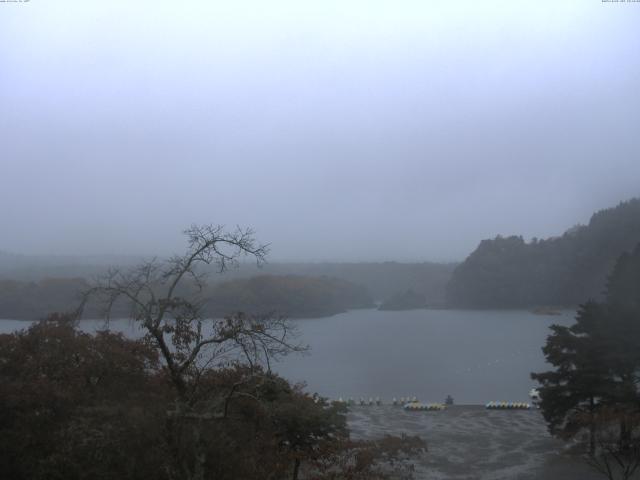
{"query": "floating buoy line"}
(408, 403)
(417, 406)
(411, 403)
(508, 406)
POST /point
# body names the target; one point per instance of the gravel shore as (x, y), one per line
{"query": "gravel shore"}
(469, 442)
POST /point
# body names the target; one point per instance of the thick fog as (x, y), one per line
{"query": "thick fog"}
(338, 130)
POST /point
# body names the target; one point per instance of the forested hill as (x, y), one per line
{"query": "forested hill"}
(382, 279)
(508, 272)
(33, 286)
(289, 295)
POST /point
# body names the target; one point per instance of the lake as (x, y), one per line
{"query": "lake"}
(474, 356)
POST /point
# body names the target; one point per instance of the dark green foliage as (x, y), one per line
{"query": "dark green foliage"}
(597, 365)
(623, 289)
(581, 380)
(509, 272)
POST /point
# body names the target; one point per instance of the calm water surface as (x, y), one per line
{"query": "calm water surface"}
(475, 356)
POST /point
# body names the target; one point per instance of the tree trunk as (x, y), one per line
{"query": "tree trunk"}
(296, 469)
(592, 428)
(625, 435)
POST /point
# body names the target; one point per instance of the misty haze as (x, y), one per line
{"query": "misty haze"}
(320, 240)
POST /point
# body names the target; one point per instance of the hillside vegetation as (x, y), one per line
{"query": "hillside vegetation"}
(286, 295)
(382, 279)
(33, 286)
(20, 300)
(289, 295)
(508, 272)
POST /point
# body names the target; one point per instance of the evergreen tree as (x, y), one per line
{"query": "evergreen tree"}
(571, 393)
(597, 364)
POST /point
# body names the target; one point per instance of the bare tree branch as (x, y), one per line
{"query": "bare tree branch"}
(163, 297)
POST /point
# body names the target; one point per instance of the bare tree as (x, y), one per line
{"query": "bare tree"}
(166, 298)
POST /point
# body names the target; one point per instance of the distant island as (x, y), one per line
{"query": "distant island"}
(408, 300)
(509, 272)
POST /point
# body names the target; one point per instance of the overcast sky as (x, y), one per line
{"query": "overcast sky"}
(338, 130)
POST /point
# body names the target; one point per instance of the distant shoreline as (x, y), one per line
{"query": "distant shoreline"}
(540, 311)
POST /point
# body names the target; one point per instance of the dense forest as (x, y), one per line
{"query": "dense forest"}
(31, 287)
(382, 279)
(565, 271)
(287, 295)
(290, 295)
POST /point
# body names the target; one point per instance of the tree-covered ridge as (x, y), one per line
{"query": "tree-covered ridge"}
(21, 300)
(565, 270)
(289, 295)
(381, 279)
